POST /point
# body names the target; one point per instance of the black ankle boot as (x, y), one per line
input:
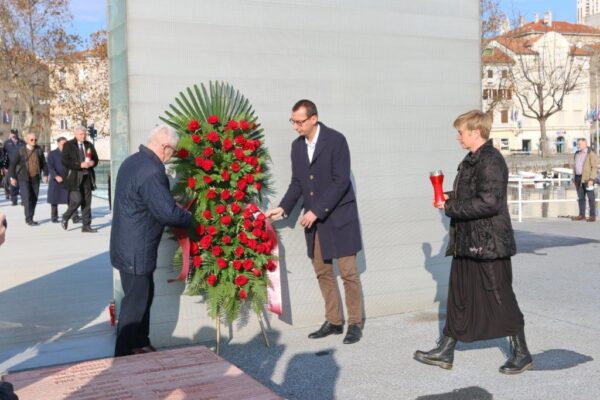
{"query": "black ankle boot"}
(521, 358)
(442, 356)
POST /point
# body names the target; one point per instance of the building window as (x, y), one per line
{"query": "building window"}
(64, 124)
(504, 144)
(504, 116)
(504, 73)
(486, 93)
(490, 73)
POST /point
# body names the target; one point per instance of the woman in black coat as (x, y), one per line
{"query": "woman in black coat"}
(57, 194)
(481, 301)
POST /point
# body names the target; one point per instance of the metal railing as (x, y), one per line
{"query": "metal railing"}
(547, 183)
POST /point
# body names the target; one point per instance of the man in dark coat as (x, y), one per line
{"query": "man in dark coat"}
(12, 146)
(143, 207)
(321, 177)
(79, 158)
(26, 168)
(57, 194)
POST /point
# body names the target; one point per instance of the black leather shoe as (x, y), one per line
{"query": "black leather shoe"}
(327, 329)
(442, 356)
(64, 223)
(33, 223)
(353, 334)
(55, 220)
(521, 358)
(88, 229)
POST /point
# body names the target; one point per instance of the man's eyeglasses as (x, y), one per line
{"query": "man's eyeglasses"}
(299, 123)
(33, 140)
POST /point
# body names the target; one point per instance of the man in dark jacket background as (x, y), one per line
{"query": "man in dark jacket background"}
(12, 146)
(143, 207)
(26, 167)
(321, 176)
(80, 158)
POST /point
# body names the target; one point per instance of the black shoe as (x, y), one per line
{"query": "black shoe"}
(33, 223)
(76, 219)
(521, 358)
(88, 229)
(353, 334)
(55, 220)
(327, 329)
(64, 223)
(442, 356)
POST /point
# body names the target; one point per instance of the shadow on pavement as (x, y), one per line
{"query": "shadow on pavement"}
(468, 393)
(557, 359)
(530, 242)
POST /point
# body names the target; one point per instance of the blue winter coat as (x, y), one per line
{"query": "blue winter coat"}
(57, 194)
(325, 186)
(143, 206)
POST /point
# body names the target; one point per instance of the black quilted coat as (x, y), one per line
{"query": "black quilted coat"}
(480, 226)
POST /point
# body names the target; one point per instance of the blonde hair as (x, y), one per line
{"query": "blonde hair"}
(475, 119)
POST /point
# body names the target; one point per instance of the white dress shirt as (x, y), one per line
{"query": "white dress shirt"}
(310, 147)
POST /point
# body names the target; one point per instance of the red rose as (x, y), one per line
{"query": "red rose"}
(233, 125)
(226, 220)
(249, 178)
(196, 138)
(195, 248)
(212, 119)
(208, 151)
(258, 223)
(239, 251)
(244, 125)
(182, 153)
(207, 165)
(227, 145)
(212, 136)
(226, 239)
(258, 186)
(198, 160)
(211, 194)
(243, 294)
(257, 143)
(197, 261)
(207, 179)
(205, 242)
(207, 214)
(251, 160)
(248, 264)
(238, 153)
(191, 182)
(235, 166)
(193, 125)
(258, 169)
(264, 236)
(243, 237)
(260, 248)
(237, 265)
(225, 175)
(261, 217)
(247, 224)
(252, 243)
(216, 251)
(249, 145)
(271, 266)
(200, 230)
(225, 194)
(253, 208)
(235, 208)
(241, 184)
(256, 272)
(221, 263)
(241, 280)
(257, 232)
(211, 280)
(239, 195)
(212, 230)
(240, 139)
(220, 208)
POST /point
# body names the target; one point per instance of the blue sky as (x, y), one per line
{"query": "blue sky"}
(562, 10)
(88, 16)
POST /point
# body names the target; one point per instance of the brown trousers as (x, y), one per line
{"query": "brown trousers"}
(329, 287)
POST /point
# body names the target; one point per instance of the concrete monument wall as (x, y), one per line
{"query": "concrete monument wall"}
(390, 75)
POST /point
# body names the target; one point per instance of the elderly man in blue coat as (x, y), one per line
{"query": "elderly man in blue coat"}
(143, 207)
(321, 177)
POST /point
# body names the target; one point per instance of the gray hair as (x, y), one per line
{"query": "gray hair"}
(163, 130)
(80, 128)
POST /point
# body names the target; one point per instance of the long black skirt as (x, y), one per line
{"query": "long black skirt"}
(481, 301)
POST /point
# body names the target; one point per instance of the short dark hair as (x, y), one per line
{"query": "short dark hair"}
(61, 139)
(311, 108)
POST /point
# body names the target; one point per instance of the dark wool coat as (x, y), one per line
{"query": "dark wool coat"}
(326, 189)
(143, 206)
(19, 166)
(480, 226)
(57, 194)
(72, 159)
